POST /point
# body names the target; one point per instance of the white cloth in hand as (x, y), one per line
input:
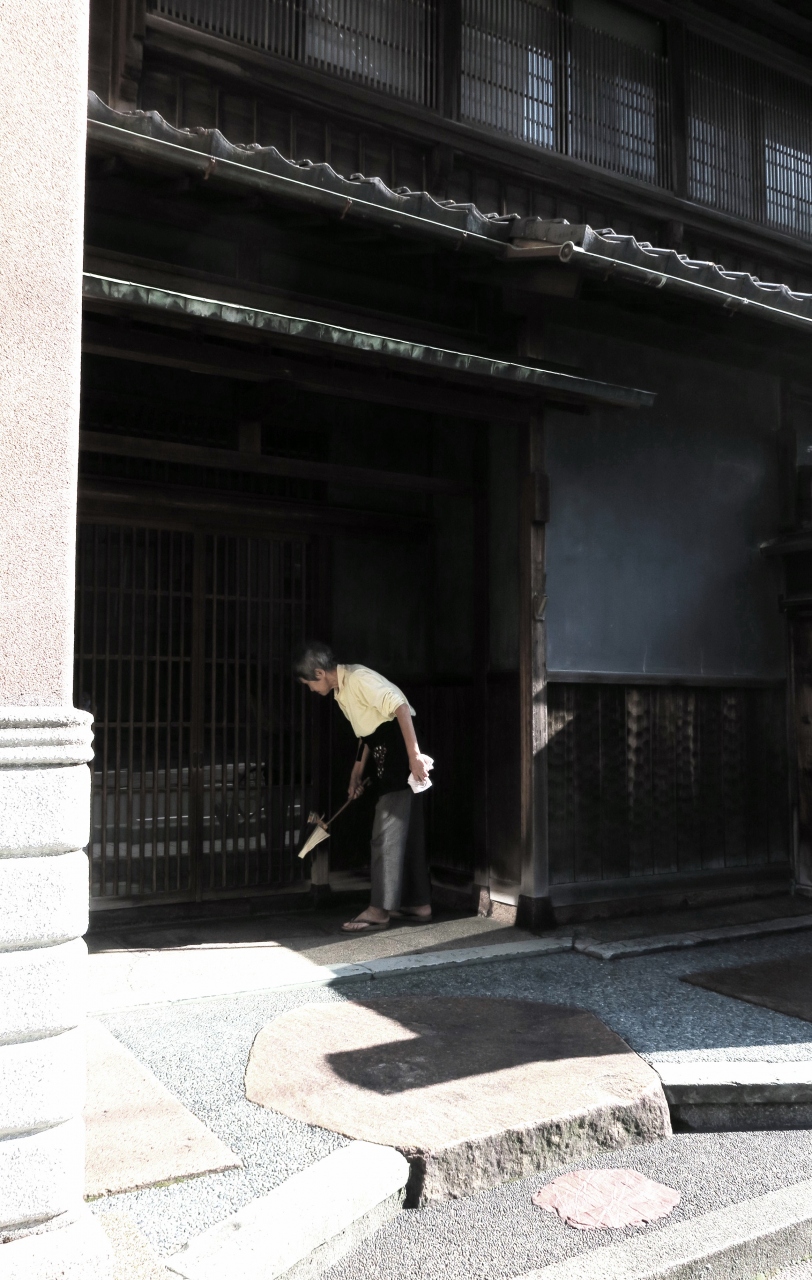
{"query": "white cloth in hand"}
(416, 786)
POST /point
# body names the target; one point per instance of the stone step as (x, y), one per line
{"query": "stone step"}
(306, 1224)
(752, 1238)
(715, 1096)
(627, 948)
(475, 1091)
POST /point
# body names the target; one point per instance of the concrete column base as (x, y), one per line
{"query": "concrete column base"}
(79, 1250)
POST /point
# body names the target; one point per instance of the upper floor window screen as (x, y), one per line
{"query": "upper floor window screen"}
(590, 79)
(508, 68)
(788, 156)
(789, 187)
(598, 93)
(385, 43)
(274, 25)
(749, 139)
(618, 105)
(388, 44)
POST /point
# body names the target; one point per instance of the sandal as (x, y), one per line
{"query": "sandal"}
(364, 926)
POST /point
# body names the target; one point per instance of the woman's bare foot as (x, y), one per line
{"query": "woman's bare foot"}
(368, 921)
(413, 914)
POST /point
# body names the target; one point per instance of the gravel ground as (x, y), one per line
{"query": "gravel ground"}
(500, 1234)
(199, 1050)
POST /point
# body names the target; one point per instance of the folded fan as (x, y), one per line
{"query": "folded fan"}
(320, 831)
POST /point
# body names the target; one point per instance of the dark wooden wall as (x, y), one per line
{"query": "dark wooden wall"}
(651, 781)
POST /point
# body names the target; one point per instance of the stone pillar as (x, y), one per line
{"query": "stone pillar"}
(45, 1232)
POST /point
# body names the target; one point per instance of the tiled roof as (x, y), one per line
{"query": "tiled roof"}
(322, 177)
(611, 253)
(511, 236)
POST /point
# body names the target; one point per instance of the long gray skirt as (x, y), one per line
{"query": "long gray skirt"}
(400, 876)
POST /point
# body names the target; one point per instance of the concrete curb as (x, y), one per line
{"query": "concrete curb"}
(154, 978)
(456, 955)
(626, 948)
(714, 1096)
(77, 1251)
(304, 1225)
(760, 1235)
(745, 1083)
(255, 976)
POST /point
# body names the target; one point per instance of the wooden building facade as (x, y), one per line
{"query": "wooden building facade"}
(403, 327)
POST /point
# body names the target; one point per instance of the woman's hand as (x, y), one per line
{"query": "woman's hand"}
(356, 777)
(417, 766)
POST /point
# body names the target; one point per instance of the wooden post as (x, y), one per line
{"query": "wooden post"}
(534, 910)
(117, 51)
(450, 58)
(678, 108)
(481, 620)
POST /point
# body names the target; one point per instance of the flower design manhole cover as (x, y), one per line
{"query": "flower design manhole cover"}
(591, 1198)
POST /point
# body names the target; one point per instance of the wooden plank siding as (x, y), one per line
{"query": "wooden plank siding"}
(656, 781)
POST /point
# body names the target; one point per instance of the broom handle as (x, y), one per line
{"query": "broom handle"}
(346, 804)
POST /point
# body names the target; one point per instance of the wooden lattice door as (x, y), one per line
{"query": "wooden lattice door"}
(206, 750)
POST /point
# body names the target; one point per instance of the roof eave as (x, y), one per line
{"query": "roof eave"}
(510, 378)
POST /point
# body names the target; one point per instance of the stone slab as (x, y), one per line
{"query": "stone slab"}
(626, 948)
(714, 1097)
(439, 934)
(304, 1225)
(138, 1133)
(78, 1250)
(744, 1240)
(785, 986)
(473, 1091)
(133, 1255)
(798, 1271)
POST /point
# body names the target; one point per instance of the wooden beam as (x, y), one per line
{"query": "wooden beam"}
(207, 358)
(263, 464)
(184, 507)
(120, 342)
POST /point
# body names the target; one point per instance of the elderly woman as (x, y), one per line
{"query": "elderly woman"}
(381, 719)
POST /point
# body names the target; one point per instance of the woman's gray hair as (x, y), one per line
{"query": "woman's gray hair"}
(312, 657)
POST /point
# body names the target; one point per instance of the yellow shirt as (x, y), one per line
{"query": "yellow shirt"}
(367, 699)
